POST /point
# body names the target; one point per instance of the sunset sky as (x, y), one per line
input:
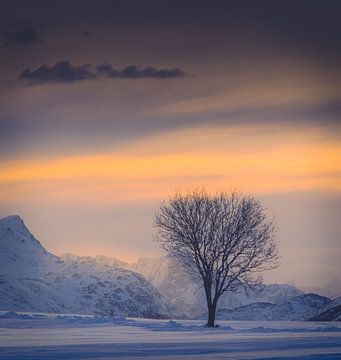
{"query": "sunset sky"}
(108, 107)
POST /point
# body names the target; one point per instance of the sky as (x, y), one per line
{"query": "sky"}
(108, 107)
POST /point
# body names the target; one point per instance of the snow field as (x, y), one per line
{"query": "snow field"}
(39, 336)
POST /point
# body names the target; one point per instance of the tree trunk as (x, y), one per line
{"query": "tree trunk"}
(211, 305)
(211, 315)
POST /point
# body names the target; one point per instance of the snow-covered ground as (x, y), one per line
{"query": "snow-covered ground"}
(39, 336)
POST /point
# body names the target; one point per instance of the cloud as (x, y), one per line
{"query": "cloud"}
(65, 72)
(24, 36)
(136, 72)
(62, 72)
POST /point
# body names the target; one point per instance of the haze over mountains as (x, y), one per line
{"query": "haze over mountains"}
(32, 279)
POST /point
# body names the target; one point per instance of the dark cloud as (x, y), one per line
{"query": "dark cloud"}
(137, 72)
(311, 27)
(62, 72)
(26, 35)
(65, 72)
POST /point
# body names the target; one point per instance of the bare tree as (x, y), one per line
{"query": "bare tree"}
(224, 240)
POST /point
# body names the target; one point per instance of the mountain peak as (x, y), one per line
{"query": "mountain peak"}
(13, 223)
(12, 219)
(20, 252)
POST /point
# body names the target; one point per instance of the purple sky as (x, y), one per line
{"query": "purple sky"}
(108, 107)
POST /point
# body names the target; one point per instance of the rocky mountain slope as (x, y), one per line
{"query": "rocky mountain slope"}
(32, 279)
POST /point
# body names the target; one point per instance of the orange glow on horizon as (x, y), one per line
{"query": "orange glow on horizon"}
(270, 163)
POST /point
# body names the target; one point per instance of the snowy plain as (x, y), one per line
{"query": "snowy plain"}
(42, 336)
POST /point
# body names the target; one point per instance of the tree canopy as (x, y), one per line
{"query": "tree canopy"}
(224, 240)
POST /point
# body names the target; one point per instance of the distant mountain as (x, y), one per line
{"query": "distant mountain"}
(298, 308)
(177, 286)
(99, 260)
(331, 289)
(156, 270)
(32, 279)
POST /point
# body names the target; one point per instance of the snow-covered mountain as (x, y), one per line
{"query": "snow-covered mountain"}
(331, 313)
(268, 302)
(21, 254)
(177, 286)
(98, 260)
(32, 279)
(298, 308)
